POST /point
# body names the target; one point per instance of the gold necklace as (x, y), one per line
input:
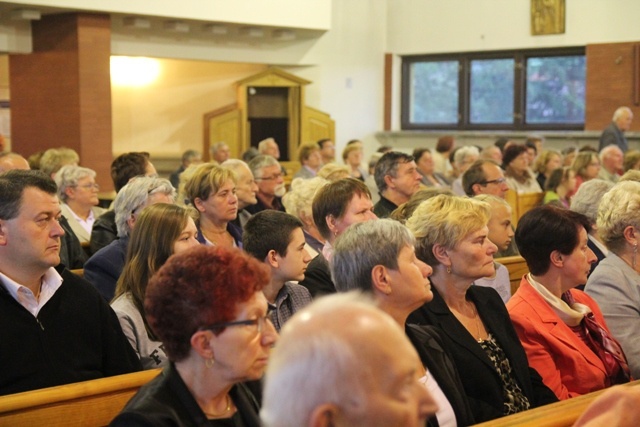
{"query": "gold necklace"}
(474, 310)
(227, 409)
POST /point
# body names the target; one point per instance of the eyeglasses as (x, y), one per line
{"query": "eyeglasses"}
(269, 178)
(89, 186)
(259, 322)
(495, 181)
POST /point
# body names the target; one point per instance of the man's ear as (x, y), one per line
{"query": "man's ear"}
(388, 179)
(477, 188)
(272, 259)
(325, 415)
(380, 280)
(3, 232)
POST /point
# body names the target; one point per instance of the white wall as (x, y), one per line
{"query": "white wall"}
(312, 14)
(435, 26)
(432, 26)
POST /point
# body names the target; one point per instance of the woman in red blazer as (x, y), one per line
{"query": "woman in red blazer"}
(562, 329)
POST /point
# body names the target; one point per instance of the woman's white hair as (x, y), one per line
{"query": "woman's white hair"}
(134, 195)
(620, 208)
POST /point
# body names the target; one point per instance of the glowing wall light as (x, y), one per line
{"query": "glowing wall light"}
(133, 71)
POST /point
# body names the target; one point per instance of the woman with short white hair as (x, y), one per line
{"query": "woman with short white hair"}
(78, 192)
(297, 202)
(615, 283)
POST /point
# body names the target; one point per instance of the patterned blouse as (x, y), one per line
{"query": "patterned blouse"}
(514, 398)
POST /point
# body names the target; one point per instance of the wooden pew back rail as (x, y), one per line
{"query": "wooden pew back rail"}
(87, 404)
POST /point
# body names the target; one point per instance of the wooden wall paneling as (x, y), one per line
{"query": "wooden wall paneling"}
(610, 79)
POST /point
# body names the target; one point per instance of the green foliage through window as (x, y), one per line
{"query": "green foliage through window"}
(534, 89)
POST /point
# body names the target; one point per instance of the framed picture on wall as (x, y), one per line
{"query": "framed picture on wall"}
(547, 17)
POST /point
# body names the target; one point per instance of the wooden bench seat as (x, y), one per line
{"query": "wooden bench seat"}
(88, 404)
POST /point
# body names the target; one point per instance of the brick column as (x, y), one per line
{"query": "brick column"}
(61, 93)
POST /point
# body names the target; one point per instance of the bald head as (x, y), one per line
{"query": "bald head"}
(358, 356)
(10, 161)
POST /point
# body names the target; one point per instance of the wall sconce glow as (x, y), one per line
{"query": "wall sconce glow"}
(133, 71)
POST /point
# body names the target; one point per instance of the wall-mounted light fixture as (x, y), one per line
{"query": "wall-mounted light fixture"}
(136, 22)
(253, 32)
(25, 15)
(217, 29)
(176, 26)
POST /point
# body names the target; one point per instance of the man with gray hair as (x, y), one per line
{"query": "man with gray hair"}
(246, 189)
(611, 160)
(397, 178)
(614, 133)
(104, 268)
(189, 157)
(354, 364)
(220, 152)
(586, 201)
(269, 147)
(269, 177)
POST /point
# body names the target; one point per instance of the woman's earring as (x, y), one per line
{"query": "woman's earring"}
(209, 363)
(449, 269)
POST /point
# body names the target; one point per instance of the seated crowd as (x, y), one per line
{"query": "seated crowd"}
(361, 313)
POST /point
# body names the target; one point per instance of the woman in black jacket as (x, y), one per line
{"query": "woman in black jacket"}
(378, 257)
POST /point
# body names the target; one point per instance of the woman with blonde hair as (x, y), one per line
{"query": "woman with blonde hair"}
(212, 191)
(161, 231)
(546, 162)
(297, 202)
(452, 237)
(615, 282)
(78, 192)
(352, 156)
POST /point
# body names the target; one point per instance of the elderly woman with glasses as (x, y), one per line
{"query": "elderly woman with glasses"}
(378, 258)
(561, 328)
(207, 307)
(615, 282)
(453, 238)
(78, 193)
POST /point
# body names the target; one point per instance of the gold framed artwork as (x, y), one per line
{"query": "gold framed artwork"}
(547, 17)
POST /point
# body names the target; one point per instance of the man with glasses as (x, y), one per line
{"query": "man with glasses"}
(270, 179)
(484, 177)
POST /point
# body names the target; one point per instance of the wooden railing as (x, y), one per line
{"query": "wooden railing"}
(522, 203)
(85, 404)
(517, 268)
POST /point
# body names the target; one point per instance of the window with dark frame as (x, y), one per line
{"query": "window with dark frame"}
(541, 89)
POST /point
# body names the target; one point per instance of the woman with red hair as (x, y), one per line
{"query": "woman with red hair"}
(206, 306)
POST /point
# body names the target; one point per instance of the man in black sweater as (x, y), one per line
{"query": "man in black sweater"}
(54, 328)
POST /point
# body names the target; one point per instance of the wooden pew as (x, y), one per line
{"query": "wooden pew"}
(517, 268)
(560, 414)
(88, 403)
(522, 203)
